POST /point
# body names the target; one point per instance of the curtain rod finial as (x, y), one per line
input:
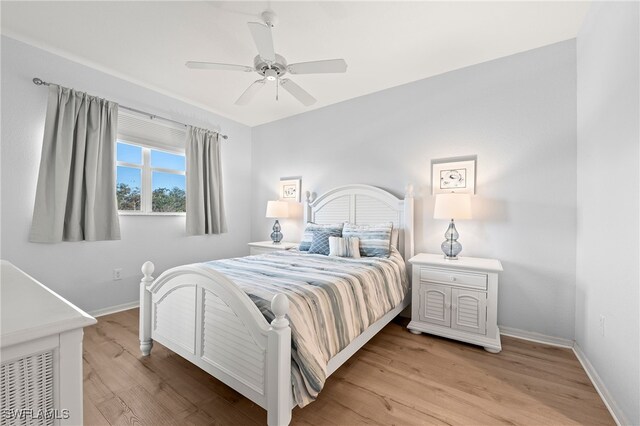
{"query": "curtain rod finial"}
(38, 82)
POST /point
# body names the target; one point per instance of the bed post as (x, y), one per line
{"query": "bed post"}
(307, 207)
(408, 224)
(279, 364)
(145, 309)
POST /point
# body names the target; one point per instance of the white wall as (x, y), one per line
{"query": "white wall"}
(608, 256)
(82, 272)
(517, 114)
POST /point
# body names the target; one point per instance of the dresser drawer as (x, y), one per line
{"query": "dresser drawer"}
(456, 278)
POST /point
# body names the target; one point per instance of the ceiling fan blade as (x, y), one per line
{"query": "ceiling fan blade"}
(214, 66)
(318, 67)
(251, 91)
(261, 34)
(298, 92)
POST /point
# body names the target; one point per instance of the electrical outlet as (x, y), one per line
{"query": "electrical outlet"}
(117, 274)
(602, 325)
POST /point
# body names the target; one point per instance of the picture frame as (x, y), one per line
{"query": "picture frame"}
(453, 176)
(290, 189)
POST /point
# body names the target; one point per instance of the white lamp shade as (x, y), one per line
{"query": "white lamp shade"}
(452, 206)
(277, 209)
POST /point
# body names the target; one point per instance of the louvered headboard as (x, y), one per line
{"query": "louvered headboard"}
(365, 205)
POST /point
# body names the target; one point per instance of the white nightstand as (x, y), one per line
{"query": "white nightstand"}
(457, 299)
(262, 247)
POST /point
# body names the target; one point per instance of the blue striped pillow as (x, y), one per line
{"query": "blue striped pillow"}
(375, 240)
(312, 228)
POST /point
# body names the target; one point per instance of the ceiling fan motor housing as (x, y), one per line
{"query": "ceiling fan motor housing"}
(273, 71)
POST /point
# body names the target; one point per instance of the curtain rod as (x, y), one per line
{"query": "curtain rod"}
(40, 82)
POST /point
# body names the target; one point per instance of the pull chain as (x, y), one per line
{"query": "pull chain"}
(277, 87)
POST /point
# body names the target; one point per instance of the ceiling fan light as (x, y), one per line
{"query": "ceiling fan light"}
(271, 74)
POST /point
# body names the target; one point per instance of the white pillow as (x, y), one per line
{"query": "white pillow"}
(344, 247)
(395, 235)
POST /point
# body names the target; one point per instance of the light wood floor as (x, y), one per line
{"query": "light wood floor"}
(397, 378)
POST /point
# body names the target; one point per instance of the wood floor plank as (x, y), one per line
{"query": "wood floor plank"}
(223, 413)
(92, 412)
(116, 412)
(396, 378)
(94, 388)
(146, 408)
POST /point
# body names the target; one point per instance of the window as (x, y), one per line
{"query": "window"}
(150, 181)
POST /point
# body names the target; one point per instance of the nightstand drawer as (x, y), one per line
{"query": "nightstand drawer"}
(259, 250)
(460, 279)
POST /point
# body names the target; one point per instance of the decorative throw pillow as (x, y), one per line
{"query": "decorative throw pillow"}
(320, 242)
(312, 228)
(344, 247)
(395, 236)
(375, 240)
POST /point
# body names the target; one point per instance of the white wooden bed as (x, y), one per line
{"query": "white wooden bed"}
(187, 303)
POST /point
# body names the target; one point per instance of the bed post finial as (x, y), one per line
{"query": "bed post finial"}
(147, 269)
(409, 191)
(307, 206)
(279, 364)
(145, 308)
(280, 308)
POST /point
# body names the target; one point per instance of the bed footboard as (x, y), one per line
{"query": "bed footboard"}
(206, 318)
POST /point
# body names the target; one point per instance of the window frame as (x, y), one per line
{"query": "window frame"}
(146, 173)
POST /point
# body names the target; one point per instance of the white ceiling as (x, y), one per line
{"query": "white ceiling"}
(385, 44)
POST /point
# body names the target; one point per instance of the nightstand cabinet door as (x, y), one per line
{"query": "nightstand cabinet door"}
(435, 304)
(469, 310)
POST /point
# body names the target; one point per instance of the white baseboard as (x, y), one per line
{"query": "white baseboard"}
(616, 413)
(536, 337)
(114, 309)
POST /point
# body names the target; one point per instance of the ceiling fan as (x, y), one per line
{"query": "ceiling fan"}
(272, 67)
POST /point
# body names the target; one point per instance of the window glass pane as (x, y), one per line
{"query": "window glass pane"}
(168, 192)
(129, 153)
(128, 188)
(165, 160)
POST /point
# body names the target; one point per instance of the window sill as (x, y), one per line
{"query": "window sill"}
(125, 213)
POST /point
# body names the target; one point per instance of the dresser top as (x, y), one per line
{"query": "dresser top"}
(30, 310)
(463, 262)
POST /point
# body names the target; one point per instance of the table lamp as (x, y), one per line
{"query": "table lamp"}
(275, 210)
(452, 206)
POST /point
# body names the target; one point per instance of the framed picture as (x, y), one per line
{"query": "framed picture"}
(290, 189)
(453, 176)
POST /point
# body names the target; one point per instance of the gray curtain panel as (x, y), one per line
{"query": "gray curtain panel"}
(205, 206)
(76, 193)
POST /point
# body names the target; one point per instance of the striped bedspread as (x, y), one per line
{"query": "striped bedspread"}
(332, 300)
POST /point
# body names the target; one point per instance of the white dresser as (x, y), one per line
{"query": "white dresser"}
(41, 353)
(261, 247)
(457, 299)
